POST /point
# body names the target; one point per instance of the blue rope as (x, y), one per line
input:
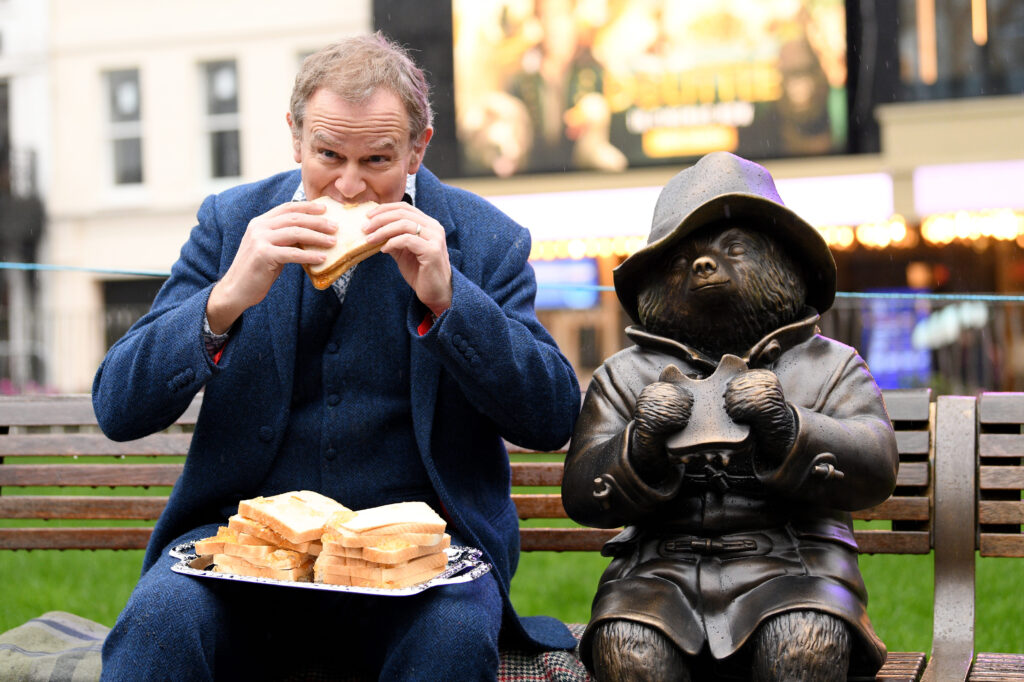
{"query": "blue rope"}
(74, 268)
(916, 296)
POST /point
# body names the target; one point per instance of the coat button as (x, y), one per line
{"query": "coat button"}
(333, 400)
(332, 347)
(266, 434)
(330, 454)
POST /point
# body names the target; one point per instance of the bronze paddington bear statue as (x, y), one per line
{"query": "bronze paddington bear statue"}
(732, 441)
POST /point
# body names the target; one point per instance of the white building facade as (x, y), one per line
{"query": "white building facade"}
(156, 106)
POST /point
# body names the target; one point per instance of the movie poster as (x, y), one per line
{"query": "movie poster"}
(551, 85)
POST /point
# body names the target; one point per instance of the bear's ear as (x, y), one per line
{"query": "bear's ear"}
(671, 374)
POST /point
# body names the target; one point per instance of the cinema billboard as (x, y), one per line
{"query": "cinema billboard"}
(551, 85)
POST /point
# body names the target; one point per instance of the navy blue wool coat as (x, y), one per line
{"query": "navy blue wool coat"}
(487, 370)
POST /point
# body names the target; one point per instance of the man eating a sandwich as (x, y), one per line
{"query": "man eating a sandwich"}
(384, 370)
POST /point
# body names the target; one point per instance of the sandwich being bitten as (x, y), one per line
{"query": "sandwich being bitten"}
(351, 246)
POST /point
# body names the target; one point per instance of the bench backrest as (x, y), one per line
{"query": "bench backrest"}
(59, 475)
(1000, 474)
(56, 465)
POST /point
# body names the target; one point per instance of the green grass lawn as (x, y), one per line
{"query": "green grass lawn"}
(899, 587)
(96, 584)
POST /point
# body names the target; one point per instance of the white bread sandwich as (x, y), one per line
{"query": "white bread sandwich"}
(390, 519)
(337, 537)
(395, 553)
(328, 570)
(229, 536)
(298, 516)
(263, 535)
(390, 546)
(394, 545)
(281, 570)
(215, 544)
(351, 246)
(361, 567)
(394, 550)
(275, 558)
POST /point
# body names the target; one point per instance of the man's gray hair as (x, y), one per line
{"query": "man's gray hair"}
(354, 69)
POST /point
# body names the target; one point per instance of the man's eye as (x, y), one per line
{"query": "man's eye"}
(377, 160)
(327, 153)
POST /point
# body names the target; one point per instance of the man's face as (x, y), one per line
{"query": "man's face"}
(357, 152)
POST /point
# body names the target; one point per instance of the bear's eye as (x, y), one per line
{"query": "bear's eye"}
(737, 249)
(681, 263)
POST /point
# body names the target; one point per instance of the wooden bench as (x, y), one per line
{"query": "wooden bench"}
(933, 508)
(1000, 482)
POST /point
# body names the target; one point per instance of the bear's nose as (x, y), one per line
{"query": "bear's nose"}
(705, 265)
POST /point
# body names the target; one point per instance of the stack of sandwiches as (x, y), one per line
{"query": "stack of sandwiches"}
(273, 537)
(303, 536)
(392, 546)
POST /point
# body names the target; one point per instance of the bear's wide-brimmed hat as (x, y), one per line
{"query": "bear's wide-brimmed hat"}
(723, 186)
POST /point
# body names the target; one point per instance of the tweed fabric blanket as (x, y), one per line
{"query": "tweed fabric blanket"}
(55, 646)
(63, 647)
(554, 666)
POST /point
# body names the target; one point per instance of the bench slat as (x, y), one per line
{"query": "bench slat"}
(65, 410)
(994, 667)
(1002, 544)
(913, 442)
(1002, 478)
(898, 509)
(74, 538)
(536, 473)
(539, 506)
(893, 542)
(1000, 512)
(565, 539)
(1001, 445)
(902, 666)
(80, 507)
(907, 404)
(89, 474)
(514, 449)
(1001, 408)
(91, 444)
(913, 474)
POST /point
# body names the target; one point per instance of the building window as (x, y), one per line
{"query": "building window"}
(125, 103)
(125, 301)
(224, 145)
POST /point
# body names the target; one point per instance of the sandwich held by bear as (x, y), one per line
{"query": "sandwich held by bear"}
(732, 441)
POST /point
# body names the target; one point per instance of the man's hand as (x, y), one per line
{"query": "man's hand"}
(270, 241)
(662, 408)
(417, 243)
